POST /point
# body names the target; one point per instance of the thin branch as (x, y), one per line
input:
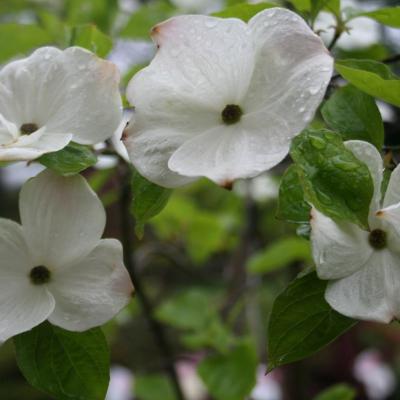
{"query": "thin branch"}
(336, 37)
(128, 237)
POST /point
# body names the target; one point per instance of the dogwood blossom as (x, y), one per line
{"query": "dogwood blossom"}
(54, 265)
(222, 99)
(53, 97)
(363, 266)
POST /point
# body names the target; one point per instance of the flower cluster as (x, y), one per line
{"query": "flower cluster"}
(363, 265)
(55, 265)
(222, 99)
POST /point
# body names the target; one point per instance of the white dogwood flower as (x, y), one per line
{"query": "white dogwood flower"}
(222, 99)
(53, 97)
(55, 265)
(363, 266)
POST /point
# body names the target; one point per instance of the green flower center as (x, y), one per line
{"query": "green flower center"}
(378, 239)
(40, 275)
(27, 129)
(231, 114)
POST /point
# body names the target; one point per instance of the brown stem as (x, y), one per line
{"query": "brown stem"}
(128, 238)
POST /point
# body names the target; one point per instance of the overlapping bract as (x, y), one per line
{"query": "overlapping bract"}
(62, 221)
(53, 97)
(274, 68)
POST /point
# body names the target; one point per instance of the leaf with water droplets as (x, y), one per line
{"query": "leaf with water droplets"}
(291, 204)
(354, 115)
(333, 179)
(302, 322)
(67, 365)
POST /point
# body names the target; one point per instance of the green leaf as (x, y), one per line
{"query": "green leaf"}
(230, 376)
(66, 365)
(70, 160)
(99, 12)
(279, 255)
(371, 77)
(57, 29)
(191, 309)
(141, 21)
(215, 335)
(389, 16)
(355, 115)
(195, 311)
(203, 232)
(332, 6)
(148, 200)
(19, 39)
(302, 5)
(243, 11)
(291, 204)
(338, 392)
(154, 387)
(89, 37)
(302, 322)
(334, 180)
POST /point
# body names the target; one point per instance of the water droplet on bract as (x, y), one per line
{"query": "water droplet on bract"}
(47, 56)
(314, 90)
(302, 109)
(318, 143)
(175, 52)
(211, 23)
(344, 165)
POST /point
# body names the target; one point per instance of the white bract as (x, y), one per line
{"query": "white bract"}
(53, 97)
(222, 99)
(363, 266)
(55, 265)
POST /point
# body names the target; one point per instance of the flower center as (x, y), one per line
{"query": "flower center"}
(40, 275)
(231, 114)
(27, 129)
(378, 239)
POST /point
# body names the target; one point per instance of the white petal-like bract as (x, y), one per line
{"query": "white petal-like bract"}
(53, 97)
(56, 266)
(91, 291)
(222, 99)
(67, 213)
